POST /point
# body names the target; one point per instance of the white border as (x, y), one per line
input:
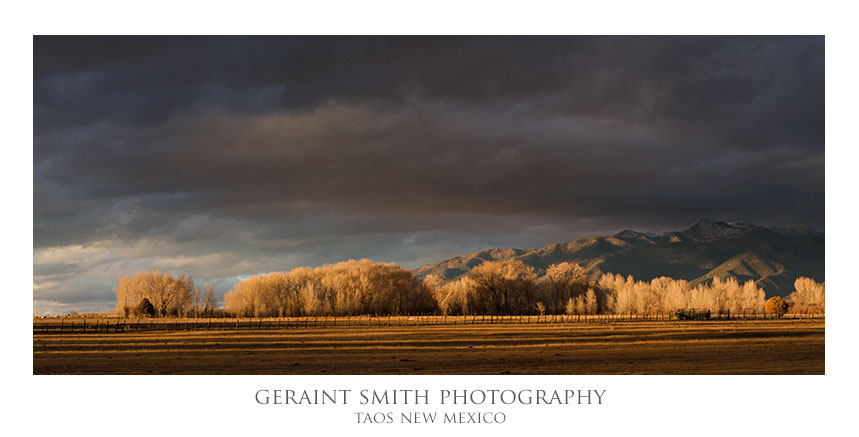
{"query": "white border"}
(223, 405)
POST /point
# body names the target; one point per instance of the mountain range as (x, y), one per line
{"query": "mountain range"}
(772, 257)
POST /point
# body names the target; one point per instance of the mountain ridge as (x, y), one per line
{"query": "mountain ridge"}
(772, 257)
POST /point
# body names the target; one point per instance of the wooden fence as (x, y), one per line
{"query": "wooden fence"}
(106, 325)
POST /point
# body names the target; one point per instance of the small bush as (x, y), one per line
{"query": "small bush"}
(688, 314)
(144, 308)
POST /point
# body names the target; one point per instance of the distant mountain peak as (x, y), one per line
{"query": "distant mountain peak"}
(628, 233)
(742, 225)
(707, 223)
(706, 229)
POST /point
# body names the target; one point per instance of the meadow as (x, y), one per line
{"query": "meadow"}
(430, 345)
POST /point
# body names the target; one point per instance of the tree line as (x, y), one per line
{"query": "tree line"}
(346, 288)
(494, 287)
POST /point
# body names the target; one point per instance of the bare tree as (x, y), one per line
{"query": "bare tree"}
(565, 281)
(351, 287)
(209, 302)
(505, 287)
(168, 295)
(808, 295)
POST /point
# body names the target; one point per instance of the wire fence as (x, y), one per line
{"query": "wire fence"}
(108, 325)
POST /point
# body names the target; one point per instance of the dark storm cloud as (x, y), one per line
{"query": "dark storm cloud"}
(229, 156)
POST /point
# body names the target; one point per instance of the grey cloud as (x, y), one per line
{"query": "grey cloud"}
(249, 154)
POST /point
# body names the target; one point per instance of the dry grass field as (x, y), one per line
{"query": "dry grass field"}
(649, 347)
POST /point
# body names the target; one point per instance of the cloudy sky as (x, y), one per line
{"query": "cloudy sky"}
(224, 157)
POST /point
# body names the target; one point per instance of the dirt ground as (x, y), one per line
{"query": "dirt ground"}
(711, 347)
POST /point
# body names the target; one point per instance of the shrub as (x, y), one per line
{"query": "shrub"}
(689, 314)
(776, 305)
(144, 308)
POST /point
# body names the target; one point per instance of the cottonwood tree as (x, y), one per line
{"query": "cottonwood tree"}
(663, 294)
(195, 299)
(808, 295)
(209, 300)
(565, 281)
(347, 288)
(168, 295)
(456, 297)
(591, 302)
(570, 307)
(621, 293)
(504, 287)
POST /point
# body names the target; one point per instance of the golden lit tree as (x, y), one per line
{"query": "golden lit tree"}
(347, 288)
(776, 305)
(808, 295)
(504, 287)
(169, 296)
(565, 281)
